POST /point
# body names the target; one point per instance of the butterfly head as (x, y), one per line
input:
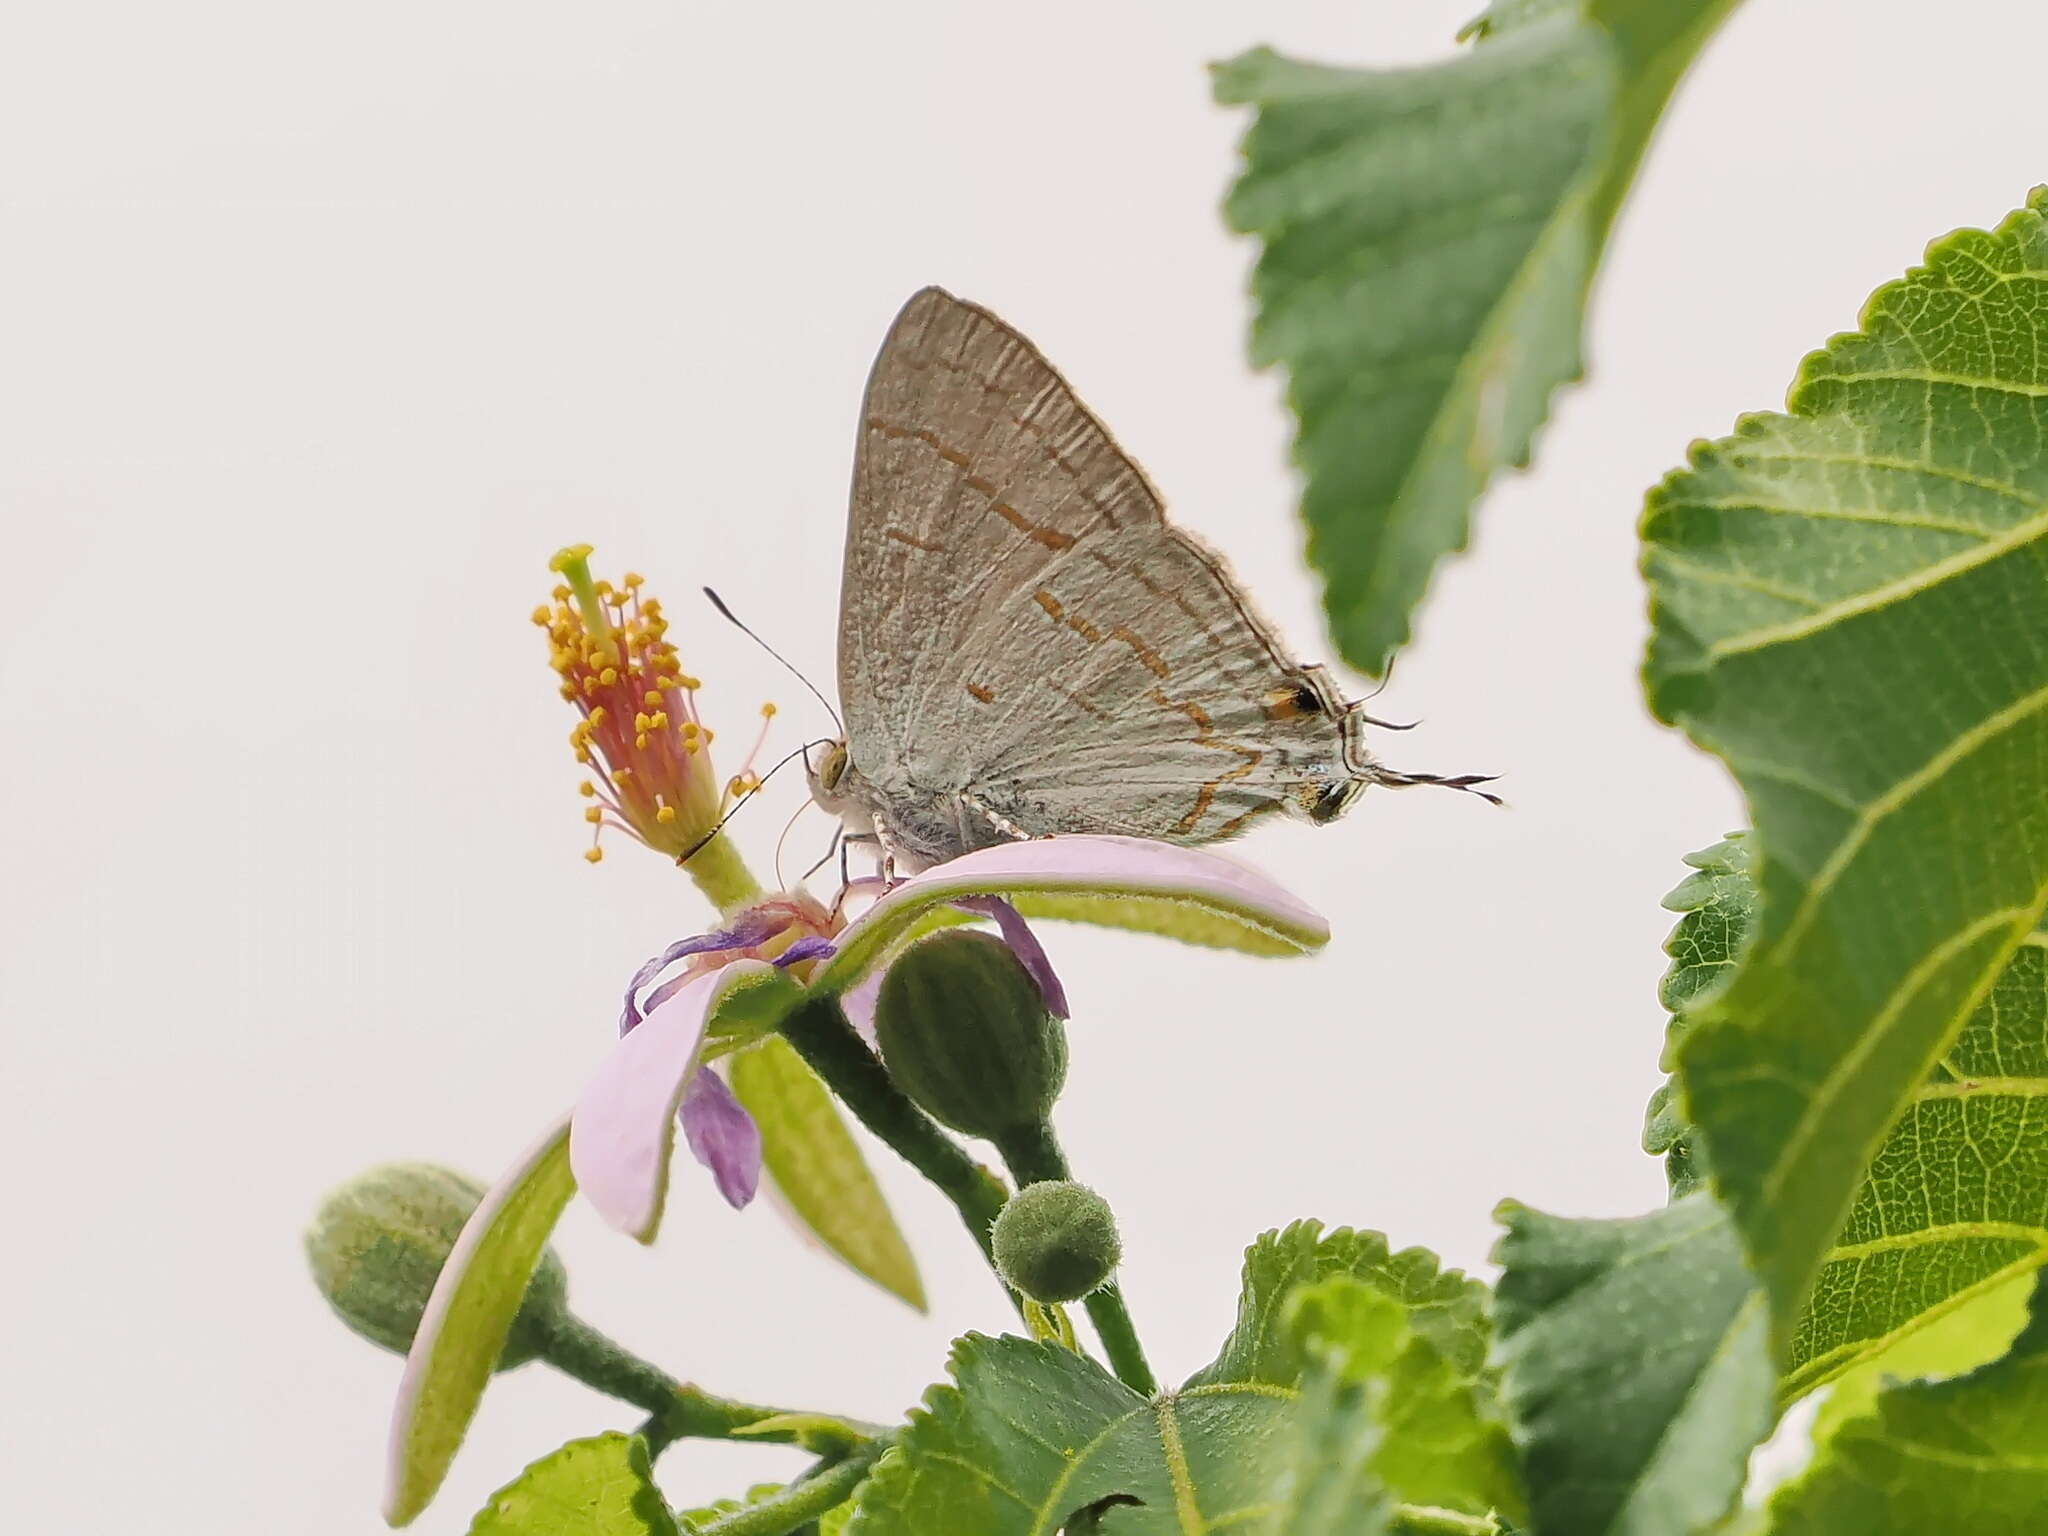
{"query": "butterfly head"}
(828, 777)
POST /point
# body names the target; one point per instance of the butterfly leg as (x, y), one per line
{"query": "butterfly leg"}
(995, 818)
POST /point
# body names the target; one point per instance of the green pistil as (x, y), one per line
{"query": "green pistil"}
(573, 566)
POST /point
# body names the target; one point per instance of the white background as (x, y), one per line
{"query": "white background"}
(322, 327)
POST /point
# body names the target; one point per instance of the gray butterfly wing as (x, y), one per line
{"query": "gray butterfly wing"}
(1026, 645)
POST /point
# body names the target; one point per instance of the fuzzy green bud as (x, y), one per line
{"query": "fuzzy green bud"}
(964, 1031)
(1056, 1241)
(378, 1244)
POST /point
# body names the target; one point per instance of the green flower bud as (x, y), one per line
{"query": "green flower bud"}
(965, 1032)
(1056, 1241)
(378, 1244)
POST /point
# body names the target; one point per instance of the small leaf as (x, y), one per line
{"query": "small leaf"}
(1963, 1457)
(1847, 606)
(1030, 1435)
(1637, 1368)
(468, 1318)
(1444, 1304)
(815, 1163)
(602, 1486)
(1441, 1447)
(1429, 239)
(819, 1505)
(1717, 901)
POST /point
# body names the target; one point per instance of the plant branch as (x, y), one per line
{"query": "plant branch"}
(833, 1049)
(825, 1488)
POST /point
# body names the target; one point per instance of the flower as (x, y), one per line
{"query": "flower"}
(738, 984)
(640, 735)
(793, 929)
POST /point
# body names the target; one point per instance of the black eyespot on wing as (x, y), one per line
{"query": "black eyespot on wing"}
(1306, 700)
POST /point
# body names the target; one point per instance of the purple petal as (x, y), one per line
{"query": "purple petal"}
(722, 1136)
(809, 947)
(1119, 882)
(1025, 946)
(744, 934)
(624, 1128)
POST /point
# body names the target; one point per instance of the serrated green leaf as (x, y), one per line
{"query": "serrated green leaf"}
(1429, 237)
(1848, 606)
(1636, 1368)
(1329, 1483)
(1717, 901)
(1956, 1202)
(468, 1319)
(1437, 1443)
(1030, 1435)
(1964, 1457)
(818, 1167)
(1450, 1308)
(602, 1486)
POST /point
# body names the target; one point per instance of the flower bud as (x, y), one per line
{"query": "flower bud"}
(964, 1031)
(378, 1244)
(1056, 1241)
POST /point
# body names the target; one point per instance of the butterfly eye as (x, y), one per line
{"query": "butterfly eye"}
(834, 767)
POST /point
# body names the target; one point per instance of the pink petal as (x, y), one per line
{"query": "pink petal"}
(1129, 882)
(624, 1128)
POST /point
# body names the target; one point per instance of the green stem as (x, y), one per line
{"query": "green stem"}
(722, 875)
(1421, 1520)
(825, 1489)
(678, 1410)
(1034, 1156)
(831, 1047)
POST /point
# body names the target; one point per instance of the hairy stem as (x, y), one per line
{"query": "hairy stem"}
(1034, 1156)
(833, 1049)
(825, 1488)
(678, 1411)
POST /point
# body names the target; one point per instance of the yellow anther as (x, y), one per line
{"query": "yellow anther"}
(593, 814)
(659, 720)
(768, 710)
(608, 676)
(652, 698)
(587, 790)
(543, 616)
(687, 683)
(665, 815)
(568, 691)
(640, 741)
(641, 721)
(634, 579)
(599, 715)
(560, 594)
(594, 855)
(622, 774)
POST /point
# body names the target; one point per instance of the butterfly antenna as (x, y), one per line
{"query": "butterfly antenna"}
(789, 757)
(1357, 706)
(734, 620)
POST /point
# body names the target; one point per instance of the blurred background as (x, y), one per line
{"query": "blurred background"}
(322, 327)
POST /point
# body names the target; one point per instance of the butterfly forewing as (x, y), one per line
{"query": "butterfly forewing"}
(1021, 627)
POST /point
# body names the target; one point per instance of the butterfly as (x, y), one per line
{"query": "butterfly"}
(1028, 647)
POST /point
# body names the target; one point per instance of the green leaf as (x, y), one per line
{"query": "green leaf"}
(1964, 1457)
(1429, 238)
(468, 1319)
(1717, 903)
(1956, 1202)
(602, 1486)
(1436, 1444)
(1443, 1303)
(1637, 1368)
(1031, 1435)
(1960, 1340)
(816, 1164)
(1848, 607)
